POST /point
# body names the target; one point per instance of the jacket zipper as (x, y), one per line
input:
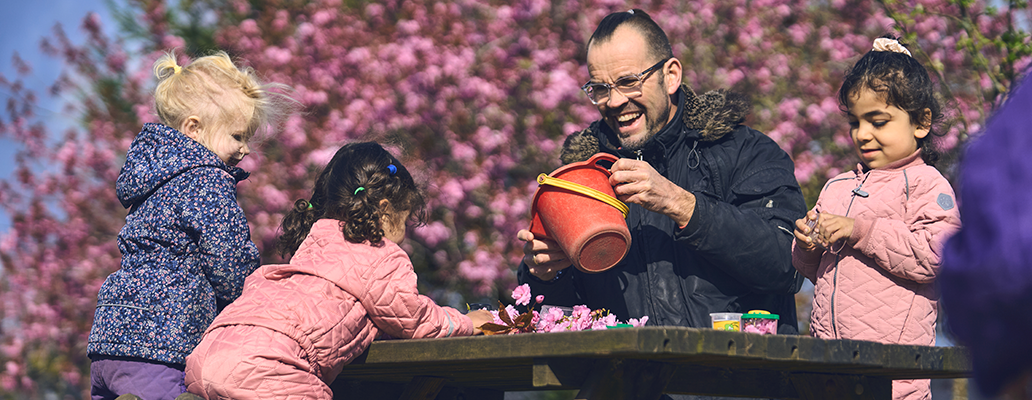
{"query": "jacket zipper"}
(638, 155)
(834, 279)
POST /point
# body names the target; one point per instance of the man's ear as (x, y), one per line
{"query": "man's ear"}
(672, 75)
(191, 127)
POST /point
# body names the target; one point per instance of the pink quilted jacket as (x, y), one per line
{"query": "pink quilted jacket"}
(318, 313)
(879, 286)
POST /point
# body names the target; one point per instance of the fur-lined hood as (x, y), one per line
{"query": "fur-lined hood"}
(713, 114)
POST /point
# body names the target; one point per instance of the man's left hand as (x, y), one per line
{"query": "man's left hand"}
(637, 182)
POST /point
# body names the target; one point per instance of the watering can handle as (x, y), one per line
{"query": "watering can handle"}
(600, 157)
(544, 179)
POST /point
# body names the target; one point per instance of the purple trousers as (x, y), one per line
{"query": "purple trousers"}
(150, 380)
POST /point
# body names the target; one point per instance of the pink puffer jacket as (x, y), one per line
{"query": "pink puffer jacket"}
(879, 286)
(312, 317)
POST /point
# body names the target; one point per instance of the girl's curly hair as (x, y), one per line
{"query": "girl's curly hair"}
(350, 189)
(905, 84)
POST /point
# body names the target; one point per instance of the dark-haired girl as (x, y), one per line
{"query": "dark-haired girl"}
(873, 242)
(297, 325)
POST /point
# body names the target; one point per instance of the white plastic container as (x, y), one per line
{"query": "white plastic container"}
(727, 321)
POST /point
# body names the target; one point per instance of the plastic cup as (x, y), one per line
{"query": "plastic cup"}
(760, 321)
(726, 321)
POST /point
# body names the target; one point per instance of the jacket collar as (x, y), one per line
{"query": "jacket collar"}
(912, 160)
(158, 154)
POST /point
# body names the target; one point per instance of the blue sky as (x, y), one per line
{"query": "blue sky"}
(23, 24)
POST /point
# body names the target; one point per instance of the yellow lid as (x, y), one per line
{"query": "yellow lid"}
(758, 312)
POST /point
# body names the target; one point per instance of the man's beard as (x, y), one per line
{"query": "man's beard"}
(652, 126)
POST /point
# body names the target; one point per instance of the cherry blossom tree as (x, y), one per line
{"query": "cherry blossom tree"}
(474, 96)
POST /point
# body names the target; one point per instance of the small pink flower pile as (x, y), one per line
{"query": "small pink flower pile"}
(582, 318)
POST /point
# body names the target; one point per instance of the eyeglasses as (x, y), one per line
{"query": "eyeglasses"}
(629, 86)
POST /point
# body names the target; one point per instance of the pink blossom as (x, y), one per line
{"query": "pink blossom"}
(278, 56)
(549, 319)
(322, 17)
(173, 42)
(604, 322)
(522, 294)
(12, 367)
(433, 233)
(249, 27)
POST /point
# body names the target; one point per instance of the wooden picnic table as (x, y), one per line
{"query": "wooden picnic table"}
(642, 363)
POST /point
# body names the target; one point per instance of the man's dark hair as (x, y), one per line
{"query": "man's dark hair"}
(656, 39)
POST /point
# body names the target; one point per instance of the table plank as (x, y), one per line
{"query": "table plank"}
(734, 362)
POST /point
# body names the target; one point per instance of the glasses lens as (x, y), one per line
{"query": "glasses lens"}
(596, 92)
(629, 86)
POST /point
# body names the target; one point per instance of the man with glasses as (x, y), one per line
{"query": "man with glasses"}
(712, 202)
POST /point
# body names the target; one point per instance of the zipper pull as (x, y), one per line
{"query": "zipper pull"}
(860, 193)
(640, 156)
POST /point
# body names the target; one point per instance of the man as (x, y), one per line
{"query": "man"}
(712, 201)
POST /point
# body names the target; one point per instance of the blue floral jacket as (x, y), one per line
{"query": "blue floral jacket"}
(186, 249)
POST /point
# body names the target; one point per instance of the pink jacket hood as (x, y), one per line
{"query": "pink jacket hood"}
(879, 286)
(335, 297)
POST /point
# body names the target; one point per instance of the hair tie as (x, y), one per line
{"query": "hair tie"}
(891, 45)
(359, 190)
(310, 205)
(176, 69)
(393, 170)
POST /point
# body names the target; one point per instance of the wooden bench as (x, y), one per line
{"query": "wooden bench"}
(642, 363)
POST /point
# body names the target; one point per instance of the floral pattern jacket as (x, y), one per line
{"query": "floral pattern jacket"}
(186, 249)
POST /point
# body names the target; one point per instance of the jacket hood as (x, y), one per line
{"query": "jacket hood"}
(712, 115)
(158, 154)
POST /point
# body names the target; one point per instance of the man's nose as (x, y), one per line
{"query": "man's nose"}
(616, 99)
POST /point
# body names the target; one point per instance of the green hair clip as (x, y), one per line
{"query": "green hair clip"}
(359, 190)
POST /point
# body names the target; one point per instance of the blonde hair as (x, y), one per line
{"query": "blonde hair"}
(216, 90)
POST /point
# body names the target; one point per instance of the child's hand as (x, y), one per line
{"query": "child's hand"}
(832, 228)
(479, 317)
(804, 229)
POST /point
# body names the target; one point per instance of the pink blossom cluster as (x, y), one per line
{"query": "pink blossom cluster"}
(555, 320)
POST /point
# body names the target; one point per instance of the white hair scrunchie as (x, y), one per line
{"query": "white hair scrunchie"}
(886, 44)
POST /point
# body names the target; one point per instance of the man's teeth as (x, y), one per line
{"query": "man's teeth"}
(627, 117)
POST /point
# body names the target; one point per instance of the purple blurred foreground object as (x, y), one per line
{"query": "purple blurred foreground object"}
(986, 276)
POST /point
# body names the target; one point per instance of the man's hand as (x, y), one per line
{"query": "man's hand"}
(544, 257)
(637, 182)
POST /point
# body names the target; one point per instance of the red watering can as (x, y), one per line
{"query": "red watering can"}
(576, 207)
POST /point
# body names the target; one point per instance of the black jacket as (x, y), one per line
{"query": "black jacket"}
(735, 253)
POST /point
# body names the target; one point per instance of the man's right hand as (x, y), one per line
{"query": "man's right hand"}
(544, 257)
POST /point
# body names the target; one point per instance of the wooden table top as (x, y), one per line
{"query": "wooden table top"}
(716, 361)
